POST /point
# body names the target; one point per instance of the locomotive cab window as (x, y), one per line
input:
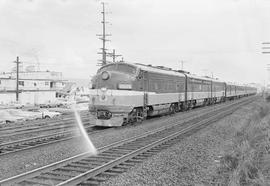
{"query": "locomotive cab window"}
(119, 67)
(126, 68)
(107, 68)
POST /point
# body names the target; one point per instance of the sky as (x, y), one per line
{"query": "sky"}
(222, 38)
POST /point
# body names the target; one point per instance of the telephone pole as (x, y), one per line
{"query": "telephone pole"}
(266, 50)
(103, 37)
(122, 60)
(113, 55)
(266, 47)
(17, 78)
(182, 64)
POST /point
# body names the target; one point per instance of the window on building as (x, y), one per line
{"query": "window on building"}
(21, 83)
(46, 83)
(35, 84)
(0, 82)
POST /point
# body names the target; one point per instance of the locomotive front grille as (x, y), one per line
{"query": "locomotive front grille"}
(104, 114)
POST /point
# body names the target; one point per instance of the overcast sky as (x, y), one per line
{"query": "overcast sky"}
(222, 37)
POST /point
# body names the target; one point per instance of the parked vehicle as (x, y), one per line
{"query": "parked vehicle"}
(6, 117)
(51, 104)
(27, 115)
(44, 113)
(15, 105)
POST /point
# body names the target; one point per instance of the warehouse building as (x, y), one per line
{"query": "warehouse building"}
(35, 87)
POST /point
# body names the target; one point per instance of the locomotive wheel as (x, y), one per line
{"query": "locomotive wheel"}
(136, 115)
(140, 115)
(172, 109)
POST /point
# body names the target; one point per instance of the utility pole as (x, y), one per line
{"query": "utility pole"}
(266, 50)
(266, 47)
(17, 78)
(122, 60)
(205, 72)
(103, 37)
(113, 55)
(182, 64)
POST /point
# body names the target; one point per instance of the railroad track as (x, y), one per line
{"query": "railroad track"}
(35, 123)
(40, 123)
(36, 142)
(65, 123)
(116, 158)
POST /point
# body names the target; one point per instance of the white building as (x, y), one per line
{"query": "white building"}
(35, 87)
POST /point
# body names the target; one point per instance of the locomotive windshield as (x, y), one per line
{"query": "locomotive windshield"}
(119, 67)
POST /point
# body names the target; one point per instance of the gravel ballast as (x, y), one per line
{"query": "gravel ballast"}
(194, 157)
(13, 164)
(193, 161)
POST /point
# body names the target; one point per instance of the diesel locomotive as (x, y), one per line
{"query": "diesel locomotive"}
(124, 93)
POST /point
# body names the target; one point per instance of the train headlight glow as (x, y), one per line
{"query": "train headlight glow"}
(124, 86)
(105, 75)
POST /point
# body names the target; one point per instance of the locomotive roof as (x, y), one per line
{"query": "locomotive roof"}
(168, 71)
(237, 84)
(202, 78)
(159, 70)
(172, 72)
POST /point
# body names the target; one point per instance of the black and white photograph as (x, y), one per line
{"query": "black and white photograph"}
(135, 92)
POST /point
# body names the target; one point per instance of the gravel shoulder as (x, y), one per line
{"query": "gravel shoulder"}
(194, 160)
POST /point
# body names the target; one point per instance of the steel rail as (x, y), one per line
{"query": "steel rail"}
(51, 167)
(30, 143)
(35, 142)
(42, 121)
(36, 128)
(107, 166)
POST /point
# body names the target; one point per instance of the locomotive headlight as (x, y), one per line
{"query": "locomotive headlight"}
(105, 75)
(124, 86)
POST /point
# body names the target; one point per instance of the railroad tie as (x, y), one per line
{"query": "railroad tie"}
(109, 173)
(71, 169)
(116, 170)
(51, 177)
(99, 178)
(123, 166)
(65, 173)
(90, 182)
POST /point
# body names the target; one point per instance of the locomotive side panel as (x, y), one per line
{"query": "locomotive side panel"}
(240, 91)
(165, 88)
(154, 99)
(218, 91)
(198, 91)
(166, 92)
(230, 91)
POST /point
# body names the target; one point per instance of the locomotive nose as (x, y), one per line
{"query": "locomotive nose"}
(105, 75)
